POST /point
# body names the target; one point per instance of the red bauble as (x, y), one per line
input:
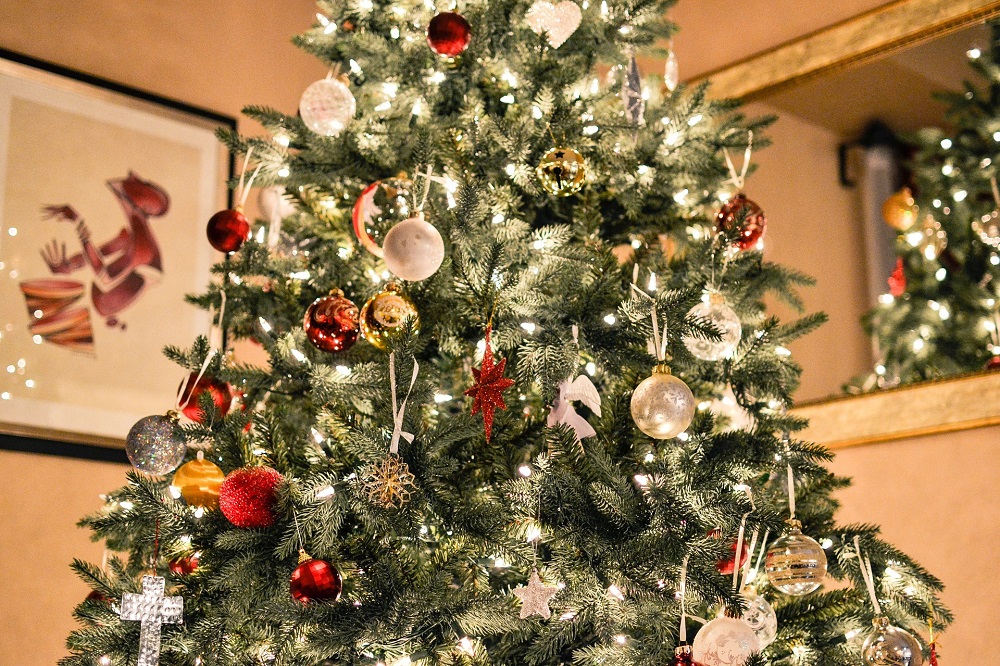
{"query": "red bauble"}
(228, 230)
(247, 496)
(754, 222)
(315, 580)
(682, 656)
(184, 566)
(897, 281)
(994, 363)
(331, 322)
(448, 34)
(221, 392)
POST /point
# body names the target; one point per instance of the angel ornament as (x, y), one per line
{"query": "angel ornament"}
(581, 390)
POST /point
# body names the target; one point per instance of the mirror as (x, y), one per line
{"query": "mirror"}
(845, 98)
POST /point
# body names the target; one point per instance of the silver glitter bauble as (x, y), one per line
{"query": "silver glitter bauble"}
(795, 563)
(762, 619)
(725, 641)
(327, 106)
(662, 405)
(154, 445)
(891, 646)
(722, 317)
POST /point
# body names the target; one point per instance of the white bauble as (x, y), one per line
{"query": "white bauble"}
(327, 106)
(760, 617)
(725, 641)
(662, 405)
(413, 249)
(274, 203)
(725, 320)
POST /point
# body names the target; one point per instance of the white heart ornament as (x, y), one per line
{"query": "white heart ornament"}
(558, 21)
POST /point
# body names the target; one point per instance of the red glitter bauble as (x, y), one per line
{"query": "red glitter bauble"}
(754, 222)
(247, 496)
(448, 34)
(315, 580)
(994, 363)
(331, 322)
(221, 392)
(184, 566)
(228, 230)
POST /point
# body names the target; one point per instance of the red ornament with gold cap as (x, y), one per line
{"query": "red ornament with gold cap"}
(449, 34)
(332, 323)
(228, 229)
(315, 580)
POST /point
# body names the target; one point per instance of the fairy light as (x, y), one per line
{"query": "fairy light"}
(529, 327)
(695, 119)
(610, 319)
(344, 370)
(300, 275)
(567, 616)
(590, 130)
(500, 563)
(510, 169)
(325, 492)
(641, 479)
(615, 592)
(879, 369)
(13, 232)
(355, 67)
(436, 77)
(174, 491)
(394, 32)
(782, 351)
(5, 395)
(384, 106)
(918, 344)
(126, 505)
(299, 356)
(621, 639)
(534, 533)
(652, 281)
(673, 138)
(960, 195)
(465, 645)
(105, 660)
(591, 368)
(681, 197)
(852, 634)
(418, 107)
(282, 140)
(940, 274)
(284, 172)
(524, 470)
(507, 99)
(947, 170)
(684, 437)
(973, 53)
(946, 143)
(199, 512)
(536, 113)
(403, 661)
(265, 325)
(914, 238)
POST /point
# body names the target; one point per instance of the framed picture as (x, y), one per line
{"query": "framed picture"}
(104, 196)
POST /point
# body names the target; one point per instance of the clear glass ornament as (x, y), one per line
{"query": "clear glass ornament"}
(725, 320)
(154, 445)
(671, 71)
(725, 641)
(795, 563)
(726, 407)
(380, 206)
(760, 617)
(413, 249)
(662, 405)
(891, 646)
(327, 106)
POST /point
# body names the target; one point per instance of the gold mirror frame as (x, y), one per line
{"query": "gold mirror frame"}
(867, 36)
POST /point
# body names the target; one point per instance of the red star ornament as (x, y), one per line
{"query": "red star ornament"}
(490, 384)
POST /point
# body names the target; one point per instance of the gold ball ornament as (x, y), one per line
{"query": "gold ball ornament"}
(662, 405)
(561, 172)
(198, 482)
(899, 211)
(385, 313)
(795, 563)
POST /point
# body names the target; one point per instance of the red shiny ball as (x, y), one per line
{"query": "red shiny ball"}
(184, 566)
(754, 222)
(228, 230)
(448, 34)
(220, 391)
(315, 580)
(331, 323)
(994, 363)
(247, 496)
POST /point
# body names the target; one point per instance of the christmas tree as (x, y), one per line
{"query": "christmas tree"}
(546, 242)
(940, 316)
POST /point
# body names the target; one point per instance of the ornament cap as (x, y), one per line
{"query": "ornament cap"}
(336, 292)
(880, 622)
(794, 526)
(662, 368)
(304, 556)
(715, 297)
(174, 415)
(682, 649)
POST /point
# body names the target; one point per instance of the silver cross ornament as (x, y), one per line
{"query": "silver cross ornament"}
(153, 610)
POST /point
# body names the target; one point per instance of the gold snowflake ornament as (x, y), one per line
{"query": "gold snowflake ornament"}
(388, 483)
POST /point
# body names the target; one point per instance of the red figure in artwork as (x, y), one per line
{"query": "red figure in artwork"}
(125, 265)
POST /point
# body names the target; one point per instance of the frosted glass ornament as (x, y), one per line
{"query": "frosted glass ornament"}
(662, 405)
(891, 646)
(154, 445)
(413, 249)
(760, 617)
(725, 641)
(725, 320)
(671, 71)
(327, 106)
(795, 563)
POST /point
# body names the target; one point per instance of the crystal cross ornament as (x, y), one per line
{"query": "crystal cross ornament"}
(152, 609)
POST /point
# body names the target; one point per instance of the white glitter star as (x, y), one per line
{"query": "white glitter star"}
(535, 597)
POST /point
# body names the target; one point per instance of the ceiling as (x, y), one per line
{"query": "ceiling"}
(895, 89)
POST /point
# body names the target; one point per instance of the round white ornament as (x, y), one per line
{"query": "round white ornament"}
(413, 249)
(274, 203)
(327, 106)
(795, 563)
(725, 641)
(557, 21)
(662, 405)
(725, 320)
(760, 617)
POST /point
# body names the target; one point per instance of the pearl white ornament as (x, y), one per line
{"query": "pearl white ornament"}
(413, 249)
(725, 641)
(760, 617)
(662, 405)
(795, 563)
(722, 317)
(327, 106)
(891, 646)
(274, 203)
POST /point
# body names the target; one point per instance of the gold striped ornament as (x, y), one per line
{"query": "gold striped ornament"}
(795, 563)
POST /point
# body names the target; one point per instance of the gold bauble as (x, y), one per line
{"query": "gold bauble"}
(562, 171)
(899, 210)
(384, 314)
(198, 482)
